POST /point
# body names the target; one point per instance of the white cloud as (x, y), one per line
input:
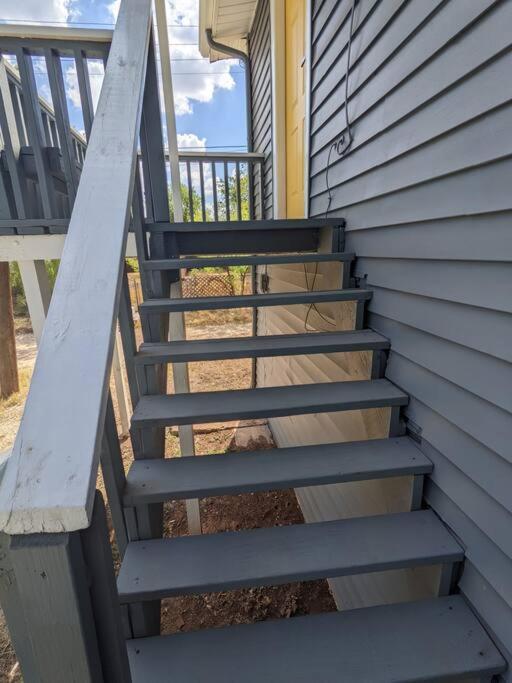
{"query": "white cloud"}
(200, 80)
(37, 10)
(191, 140)
(113, 8)
(95, 78)
(194, 143)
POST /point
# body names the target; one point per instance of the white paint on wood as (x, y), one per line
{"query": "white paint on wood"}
(39, 247)
(170, 118)
(224, 156)
(176, 320)
(49, 481)
(67, 33)
(37, 292)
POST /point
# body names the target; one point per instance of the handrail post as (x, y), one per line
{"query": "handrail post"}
(52, 585)
(60, 600)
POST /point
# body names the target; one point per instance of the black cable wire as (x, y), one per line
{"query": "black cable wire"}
(343, 143)
(341, 147)
(313, 306)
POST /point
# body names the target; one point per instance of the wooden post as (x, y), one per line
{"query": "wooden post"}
(104, 597)
(36, 285)
(9, 382)
(53, 588)
(60, 601)
(114, 476)
(122, 399)
(11, 601)
(177, 320)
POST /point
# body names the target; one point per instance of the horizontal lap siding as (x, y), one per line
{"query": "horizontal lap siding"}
(425, 190)
(261, 94)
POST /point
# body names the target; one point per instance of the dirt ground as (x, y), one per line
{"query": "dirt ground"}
(219, 514)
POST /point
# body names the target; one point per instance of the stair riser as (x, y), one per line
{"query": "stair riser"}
(250, 242)
(290, 225)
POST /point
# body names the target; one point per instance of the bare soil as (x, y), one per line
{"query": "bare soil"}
(219, 514)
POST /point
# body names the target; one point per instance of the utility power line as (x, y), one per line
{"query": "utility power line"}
(80, 23)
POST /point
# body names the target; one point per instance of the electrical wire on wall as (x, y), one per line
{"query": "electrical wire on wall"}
(340, 146)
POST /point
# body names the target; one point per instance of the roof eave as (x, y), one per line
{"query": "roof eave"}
(208, 12)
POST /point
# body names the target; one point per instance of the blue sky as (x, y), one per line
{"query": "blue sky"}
(210, 100)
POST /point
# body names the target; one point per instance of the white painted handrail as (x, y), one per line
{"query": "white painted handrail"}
(225, 156)
(66, 33)
(49, 480)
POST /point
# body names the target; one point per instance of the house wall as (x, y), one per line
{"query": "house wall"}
(261, 93)
(426, 193)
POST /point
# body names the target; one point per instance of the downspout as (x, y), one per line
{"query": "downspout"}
(233, 52)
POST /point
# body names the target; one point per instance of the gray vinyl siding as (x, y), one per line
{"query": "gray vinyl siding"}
(426, 193)
(261, 94)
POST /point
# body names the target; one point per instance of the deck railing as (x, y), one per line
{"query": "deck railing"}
(42, 153)
(48, 117)
(222, 186)
(60, 600)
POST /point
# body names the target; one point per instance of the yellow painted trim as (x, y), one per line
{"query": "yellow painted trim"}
(295, 65)
(278, 108)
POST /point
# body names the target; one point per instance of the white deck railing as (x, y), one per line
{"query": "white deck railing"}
(49, 480)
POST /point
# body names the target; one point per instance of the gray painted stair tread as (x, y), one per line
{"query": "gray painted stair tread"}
(237, 226)
(241, 404)
(222, 261)
(205, 303)
(431, 640)
(254, 347)
(158, 480)
(168, 567)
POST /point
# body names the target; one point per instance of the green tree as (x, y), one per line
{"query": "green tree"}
(233, 197)
(237, 275)
(185, 200)
(18, 293)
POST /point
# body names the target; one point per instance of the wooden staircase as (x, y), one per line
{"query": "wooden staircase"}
(438, 639)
